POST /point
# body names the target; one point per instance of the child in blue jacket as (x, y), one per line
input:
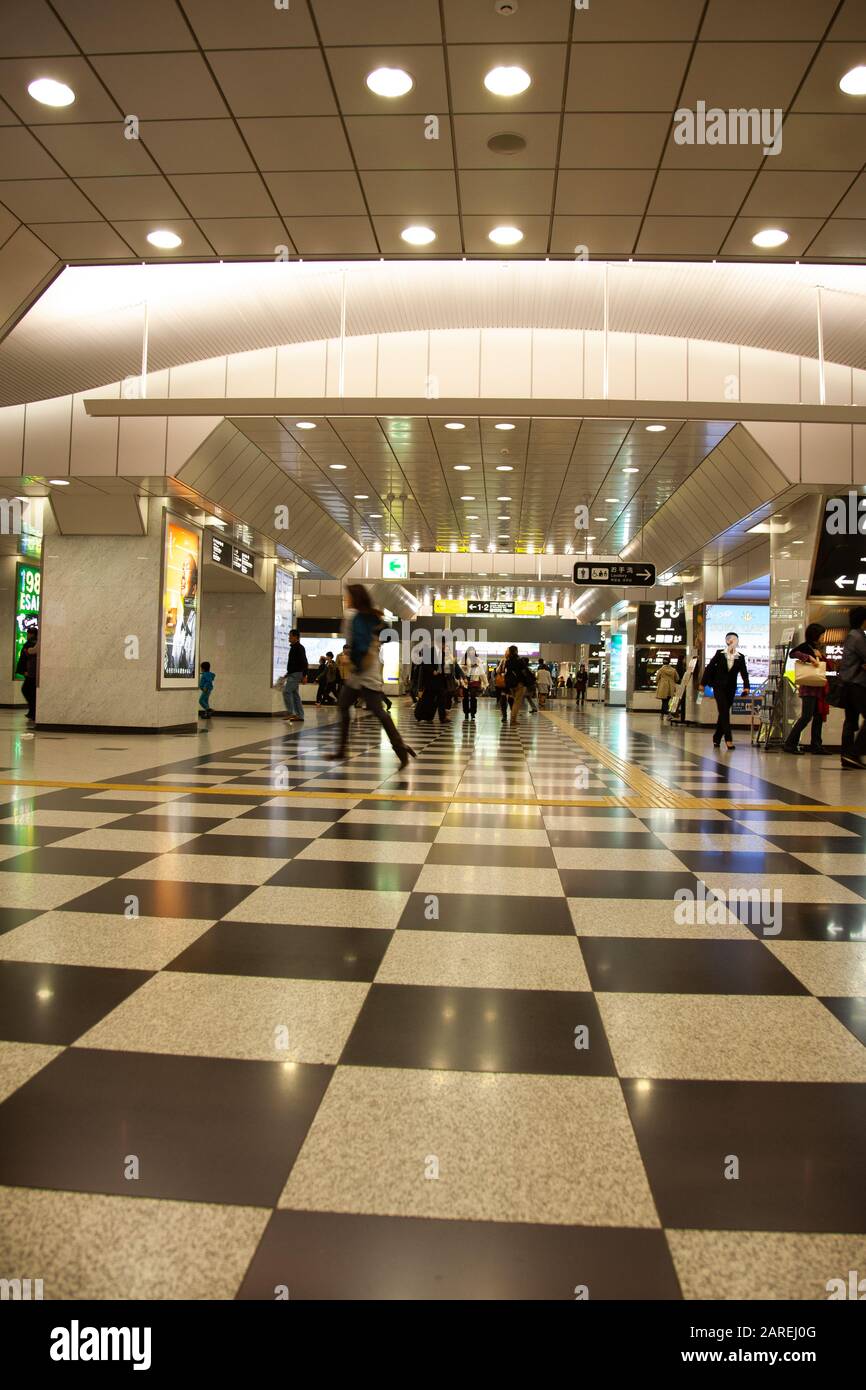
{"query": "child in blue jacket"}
(205, 685)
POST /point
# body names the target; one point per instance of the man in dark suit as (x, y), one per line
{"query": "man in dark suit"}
(722, 673)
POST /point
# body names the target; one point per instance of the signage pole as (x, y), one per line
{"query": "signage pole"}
(822, 384)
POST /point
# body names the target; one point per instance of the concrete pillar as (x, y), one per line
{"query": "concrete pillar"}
(101, 635)
(237, 639)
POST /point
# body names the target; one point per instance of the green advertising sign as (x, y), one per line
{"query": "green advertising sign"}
(28, 582)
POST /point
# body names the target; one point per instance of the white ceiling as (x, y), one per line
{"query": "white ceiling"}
(257, 129)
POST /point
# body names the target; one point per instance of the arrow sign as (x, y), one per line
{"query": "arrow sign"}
(842, 581)
(614, 574)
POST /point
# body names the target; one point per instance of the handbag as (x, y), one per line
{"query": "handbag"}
(500, 680)
(806, 674)
(836, 692)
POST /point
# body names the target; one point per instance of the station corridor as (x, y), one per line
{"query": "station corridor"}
(276, 1023)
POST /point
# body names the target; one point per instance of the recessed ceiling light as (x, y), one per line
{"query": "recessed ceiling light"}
(504, 468)
(504, 425)
(507, 81)
(471, 516)
(454, 425)
(389, 82)
(505, 236)
(375, 516)
(504, 538)
(503, 499)
(304, 425)
(656, 429)
(475, 535)
(770, 237)
(854, 82)
(338, 467)
(467, 498)
(164, 240)
(506, 142)
(418, 236)
(361, 496)
(462, 468)
(503, 517)
(599, 518)
(631, 470)
(611, 499)
(50, 92)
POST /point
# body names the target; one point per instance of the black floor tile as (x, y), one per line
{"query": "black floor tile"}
(852, 1012)
(35, 836)
(855, 883)
(801, 1148)
(12, 917)
(294, 811)
(709, 862)
(57, 1003)
(624, 883)
(332, 1255)
(496, 818)
(336, 873)
(169, 823)
(372, 830)
(488, 1030)
(652, 966)
(286, 952)
(204, 1129)
(234, 799)
(813, 844)
(813, 921)
(492, 856)
(242, 846)
(95, 863)
(163, 898)
(603, 839)
(488, 912)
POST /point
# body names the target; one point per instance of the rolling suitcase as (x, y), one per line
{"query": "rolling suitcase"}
(425, 706)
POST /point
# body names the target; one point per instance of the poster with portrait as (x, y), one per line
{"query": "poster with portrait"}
(181, 559)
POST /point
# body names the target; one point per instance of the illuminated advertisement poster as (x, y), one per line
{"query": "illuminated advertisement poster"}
(180, 571)
(751, 622)
(284, 589)
(28, 582)
(618, 668)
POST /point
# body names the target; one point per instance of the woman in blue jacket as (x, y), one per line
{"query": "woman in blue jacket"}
(362, 628)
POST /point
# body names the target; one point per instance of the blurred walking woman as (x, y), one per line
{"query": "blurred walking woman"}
(364, 675)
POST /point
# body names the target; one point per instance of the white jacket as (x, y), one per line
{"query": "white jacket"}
(544, 680)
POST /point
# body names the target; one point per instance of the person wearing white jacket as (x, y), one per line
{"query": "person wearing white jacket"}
(473, 679)
(544, 681)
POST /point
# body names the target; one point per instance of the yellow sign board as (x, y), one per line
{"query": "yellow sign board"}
(449, 605)
(526, 608)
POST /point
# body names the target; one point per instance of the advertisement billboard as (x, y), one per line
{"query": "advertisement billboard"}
(284, 590)
(28, 584)
(751, 622)
(181, 560)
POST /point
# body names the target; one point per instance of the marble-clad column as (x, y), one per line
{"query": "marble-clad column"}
(100, 638)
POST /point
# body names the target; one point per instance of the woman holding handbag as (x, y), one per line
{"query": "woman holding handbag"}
(473, 677)
(810, 678)
(364, 677)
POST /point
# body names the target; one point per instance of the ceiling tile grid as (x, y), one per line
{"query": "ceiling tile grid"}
(259, 135)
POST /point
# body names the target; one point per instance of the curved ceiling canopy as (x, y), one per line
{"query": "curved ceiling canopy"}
(87, 328)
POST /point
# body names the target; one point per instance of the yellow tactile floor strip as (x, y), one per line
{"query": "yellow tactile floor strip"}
(634, 803)
(663, 798)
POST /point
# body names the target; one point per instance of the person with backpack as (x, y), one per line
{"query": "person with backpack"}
(511, 682)
(363, 625)
(667, 681)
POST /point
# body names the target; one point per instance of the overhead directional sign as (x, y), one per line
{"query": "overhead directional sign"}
(395, 566)
(840, 566)
(610, 573)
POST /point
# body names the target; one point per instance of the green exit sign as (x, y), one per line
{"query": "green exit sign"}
(395, 566)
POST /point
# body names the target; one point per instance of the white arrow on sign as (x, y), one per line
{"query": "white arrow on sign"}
(842, 581)
(642, 574)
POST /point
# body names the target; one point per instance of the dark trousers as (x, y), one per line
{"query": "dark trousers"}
(723, 722)
(853, 733)
(470, 702)
(809, 712)
(581, 696)
(28, 690)
(666, 704)
(374, 700)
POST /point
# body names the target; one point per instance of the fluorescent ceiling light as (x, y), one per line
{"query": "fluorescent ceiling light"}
(656, 429)
(631, 470)
(361, 496)
(462, 468)
(454, 425)
(504, 468)
(49, 92)
(467, 498)
(503, 499)
(338, 467)
(304, 425)
(164, 240)
(505, 236)
(418, 236)
(389, 82)
(59, 482)
(770, 237)
(854, 82)
(507, 81)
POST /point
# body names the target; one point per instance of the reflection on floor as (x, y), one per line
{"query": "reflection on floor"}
(344, 1046)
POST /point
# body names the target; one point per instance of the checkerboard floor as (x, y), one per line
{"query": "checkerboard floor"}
(464, 1045)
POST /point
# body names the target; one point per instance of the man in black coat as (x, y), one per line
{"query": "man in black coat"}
(727, 666)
